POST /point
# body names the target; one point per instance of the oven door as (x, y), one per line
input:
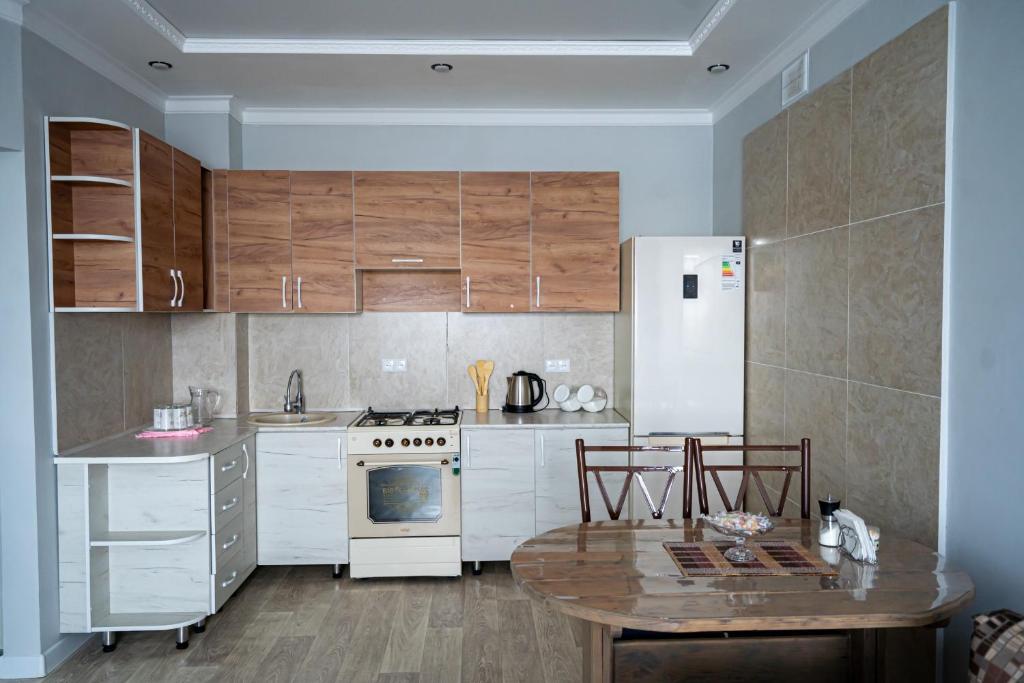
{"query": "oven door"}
(403, 495)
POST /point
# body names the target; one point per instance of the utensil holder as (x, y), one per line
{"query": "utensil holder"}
(482, 403)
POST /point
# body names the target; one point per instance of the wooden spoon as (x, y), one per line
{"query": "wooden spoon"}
(484, 369)
(476, 379)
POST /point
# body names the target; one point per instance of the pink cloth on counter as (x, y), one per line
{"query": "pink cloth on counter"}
(190, 433)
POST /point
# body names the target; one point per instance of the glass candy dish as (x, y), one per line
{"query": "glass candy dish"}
(739, 526)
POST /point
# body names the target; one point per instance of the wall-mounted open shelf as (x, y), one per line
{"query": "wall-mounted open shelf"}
(93, 236)
(90, 180)
(93, 213)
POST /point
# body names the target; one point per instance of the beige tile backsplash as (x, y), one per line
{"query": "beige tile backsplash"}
(844, 330)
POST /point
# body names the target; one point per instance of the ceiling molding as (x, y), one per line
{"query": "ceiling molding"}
(64, 38)
(203, 104)
(157, 21)
(475, 117)
(817, 26)
(12, 10)
(713, 18)
(459, 48)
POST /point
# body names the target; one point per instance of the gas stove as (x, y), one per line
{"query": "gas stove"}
(409, 418)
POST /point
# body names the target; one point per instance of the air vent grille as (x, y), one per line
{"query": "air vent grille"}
(795, 79)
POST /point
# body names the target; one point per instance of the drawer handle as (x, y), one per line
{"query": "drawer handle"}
(225, 584)
(407, 260)
(230, 466)
(227, 506)
(245, 452)
(234, 540)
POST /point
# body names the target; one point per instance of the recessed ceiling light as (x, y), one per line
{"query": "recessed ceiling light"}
(441, 67)
(161, 66)
(718, 68)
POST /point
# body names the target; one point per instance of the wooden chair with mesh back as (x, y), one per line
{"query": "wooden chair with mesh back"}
(752, 471)
(684, 468)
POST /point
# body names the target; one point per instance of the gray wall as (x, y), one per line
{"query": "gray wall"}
(986, 373)
(875, 24)
(204, 136)
(665, 180)
(53, 83)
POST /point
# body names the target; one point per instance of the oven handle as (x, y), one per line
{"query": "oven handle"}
(361, 463)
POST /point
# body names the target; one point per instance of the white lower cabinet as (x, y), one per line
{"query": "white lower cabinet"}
(558, 490)
(302, 498)
(497, 492)
(233, 522)
(520, 482)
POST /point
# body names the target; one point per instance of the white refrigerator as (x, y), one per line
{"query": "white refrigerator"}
(679, 344)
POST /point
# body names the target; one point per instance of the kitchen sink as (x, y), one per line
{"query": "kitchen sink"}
(291, 419)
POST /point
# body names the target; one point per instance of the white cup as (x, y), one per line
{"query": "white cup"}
(597, 403)
(561, 393)
(585, 393)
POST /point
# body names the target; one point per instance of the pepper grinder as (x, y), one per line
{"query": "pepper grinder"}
(829, 534)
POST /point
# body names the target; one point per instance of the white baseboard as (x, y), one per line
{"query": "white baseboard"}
(37, 666)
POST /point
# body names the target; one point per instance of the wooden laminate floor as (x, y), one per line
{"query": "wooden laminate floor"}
(299, 624)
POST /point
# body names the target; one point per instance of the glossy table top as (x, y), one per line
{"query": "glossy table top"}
(618, 573)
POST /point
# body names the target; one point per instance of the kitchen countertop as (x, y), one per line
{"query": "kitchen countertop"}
(544, 419)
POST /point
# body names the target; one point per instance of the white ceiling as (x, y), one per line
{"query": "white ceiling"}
(412, 19)
(751, 36)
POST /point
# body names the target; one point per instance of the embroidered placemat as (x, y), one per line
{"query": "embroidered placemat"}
(771, 558)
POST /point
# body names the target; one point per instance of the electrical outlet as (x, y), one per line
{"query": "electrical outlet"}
(557, 365)
(392, 364)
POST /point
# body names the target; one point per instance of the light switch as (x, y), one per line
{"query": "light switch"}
(392, 364)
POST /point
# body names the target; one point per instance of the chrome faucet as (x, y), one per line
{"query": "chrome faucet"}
(298, 405)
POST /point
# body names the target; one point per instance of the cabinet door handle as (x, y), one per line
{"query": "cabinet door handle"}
(407, 260)
(174, 297)
(538, 291)
(284, 281)
(227, 506)
(225, 584)
(339, 452)
(468, 300)
(229, 466)
(234, 540)
(181, 296)
(543, 458)
(299, 283)
(245, 452)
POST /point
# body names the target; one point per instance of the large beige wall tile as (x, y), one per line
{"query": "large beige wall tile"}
(816, 409)
(204, 352)
(764, 181)
(766, 304)
(419, 338)
(316, 344)
(242, 362)
(893, 463)
(899, 122)
(148, 379)
(587, 340)
(819, 158)
(896, 301)
(765, 404)
(513, 342)
(816, 302)
(89, 377)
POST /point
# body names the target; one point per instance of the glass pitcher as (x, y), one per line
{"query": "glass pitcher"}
(204, 404)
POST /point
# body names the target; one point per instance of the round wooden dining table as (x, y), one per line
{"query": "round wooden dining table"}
(618, 578)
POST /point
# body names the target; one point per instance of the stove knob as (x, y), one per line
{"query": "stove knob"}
(405, 443)
(429, 441)
(376, 443)
(389, 442)
(440, 441)
(417, 441)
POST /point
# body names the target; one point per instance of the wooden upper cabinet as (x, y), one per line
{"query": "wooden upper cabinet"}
(259, 234)
(156, 182)
(321, 218)
(407, 220)
(216, 268)
(188, 230)
(575, 241)
(496, 242)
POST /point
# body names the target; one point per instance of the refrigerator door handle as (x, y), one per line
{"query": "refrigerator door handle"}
(693, 434)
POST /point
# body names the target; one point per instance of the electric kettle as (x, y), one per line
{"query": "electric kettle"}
(521, 397)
